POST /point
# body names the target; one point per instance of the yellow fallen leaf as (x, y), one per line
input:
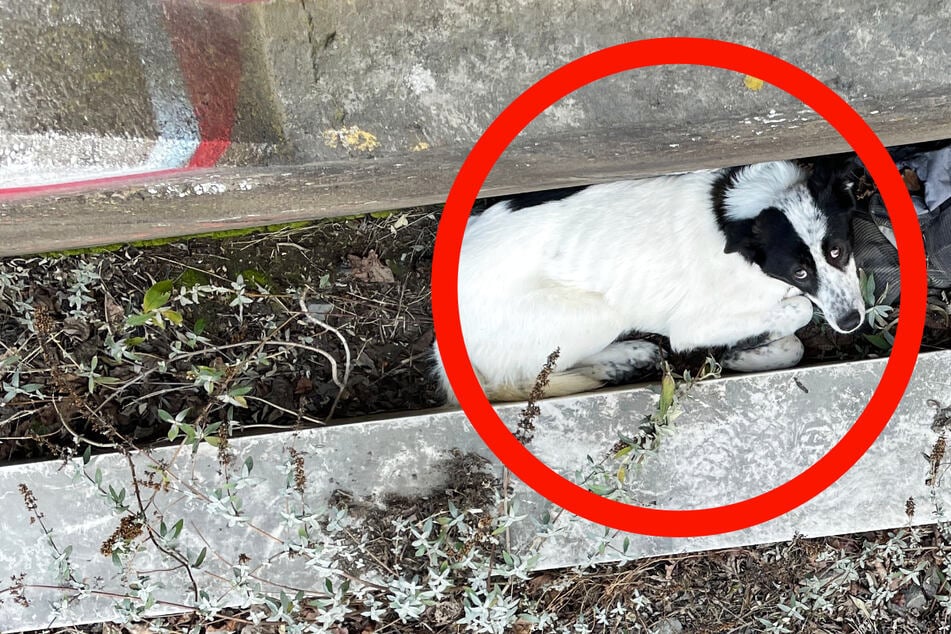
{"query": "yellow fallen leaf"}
(753, 83)
(352, 138)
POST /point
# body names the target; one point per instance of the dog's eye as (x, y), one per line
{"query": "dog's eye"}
(801, 274)
(835, 252)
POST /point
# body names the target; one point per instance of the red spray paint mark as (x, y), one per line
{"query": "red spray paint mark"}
(26, 191)
(207, 42)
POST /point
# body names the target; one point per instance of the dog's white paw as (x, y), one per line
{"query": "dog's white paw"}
(790, 315)
(621, 361)
(784, 352)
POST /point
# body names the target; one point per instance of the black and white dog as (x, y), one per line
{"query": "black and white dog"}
(732, 258)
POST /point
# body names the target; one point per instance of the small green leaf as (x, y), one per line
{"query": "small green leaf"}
(87, 455)
(214, 441)
(200, 324)
(254, 278)
(602, 490)
(201, 557)
(173, 316)
(870, 286)
(188, 429)
(667, 387)
(132, 342)
(878, 341)
(172, 433)
(626, 439)
(177, 529)
(157, 296)
(191, 277)
(138, 320)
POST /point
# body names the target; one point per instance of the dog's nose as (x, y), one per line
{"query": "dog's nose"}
(850, 321)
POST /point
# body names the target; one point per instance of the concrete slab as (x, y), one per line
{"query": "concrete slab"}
(143, 208)
(735, 438)
(373, 106)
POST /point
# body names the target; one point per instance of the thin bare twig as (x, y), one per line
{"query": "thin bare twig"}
(346, 348)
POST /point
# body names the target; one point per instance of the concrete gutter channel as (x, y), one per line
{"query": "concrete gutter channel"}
(308, 109)
(735, 438)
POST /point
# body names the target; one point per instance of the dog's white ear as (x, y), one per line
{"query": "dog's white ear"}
(756, 187)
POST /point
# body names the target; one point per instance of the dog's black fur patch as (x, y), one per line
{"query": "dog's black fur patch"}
(718, 192)
(533, 199)
(827, 184)
(751, 342)
(838, 235)
(770, 242)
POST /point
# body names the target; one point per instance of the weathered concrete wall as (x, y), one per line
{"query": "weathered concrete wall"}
(435, 74)
(282, 110)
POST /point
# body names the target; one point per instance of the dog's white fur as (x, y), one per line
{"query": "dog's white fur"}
(647, 256)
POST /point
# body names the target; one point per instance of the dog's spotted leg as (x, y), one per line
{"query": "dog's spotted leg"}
(620, 362)
(790, 315)
(778, 347)
(775, 354)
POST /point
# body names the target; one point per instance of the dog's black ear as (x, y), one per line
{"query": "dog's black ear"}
(742, 237)
(831, 182)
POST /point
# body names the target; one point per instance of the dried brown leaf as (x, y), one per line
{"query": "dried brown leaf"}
(370, 269)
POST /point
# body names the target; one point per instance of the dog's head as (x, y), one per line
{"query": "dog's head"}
(796, 226)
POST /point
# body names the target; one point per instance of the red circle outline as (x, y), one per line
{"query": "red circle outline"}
(478, 164)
